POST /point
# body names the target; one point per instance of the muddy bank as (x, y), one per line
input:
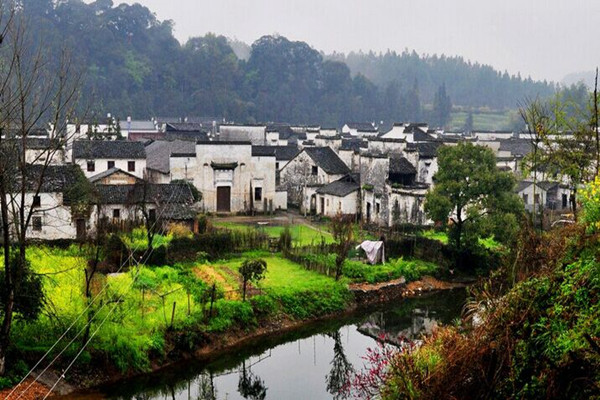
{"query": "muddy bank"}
(212, 346)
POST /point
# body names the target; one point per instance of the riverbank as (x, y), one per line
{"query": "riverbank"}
(215, 345)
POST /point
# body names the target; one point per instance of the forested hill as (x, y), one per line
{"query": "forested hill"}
(134, 66)
(468, 84)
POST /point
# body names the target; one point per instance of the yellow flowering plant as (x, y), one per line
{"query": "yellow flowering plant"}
(590, 201)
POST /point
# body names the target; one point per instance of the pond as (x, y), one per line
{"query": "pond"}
(297, 365)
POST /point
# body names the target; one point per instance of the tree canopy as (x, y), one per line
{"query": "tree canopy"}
(472, 197)
(135, 67)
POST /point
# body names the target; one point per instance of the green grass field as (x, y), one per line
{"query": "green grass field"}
(487, 121)
(302, 235)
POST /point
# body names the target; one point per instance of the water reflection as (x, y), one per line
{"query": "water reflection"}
(313, 364)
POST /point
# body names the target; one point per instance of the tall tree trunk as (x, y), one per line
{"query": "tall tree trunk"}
(9, 289)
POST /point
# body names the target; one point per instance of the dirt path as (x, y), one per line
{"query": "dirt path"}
(209, 275)
(36, 391)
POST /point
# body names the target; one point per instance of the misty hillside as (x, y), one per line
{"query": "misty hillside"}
(134, 66)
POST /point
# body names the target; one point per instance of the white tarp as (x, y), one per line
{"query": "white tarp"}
(375, 251)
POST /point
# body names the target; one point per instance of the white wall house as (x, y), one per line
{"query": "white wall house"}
(256, 134)
(338, 197)
(311, 168)
(52, 216)
(96, 156)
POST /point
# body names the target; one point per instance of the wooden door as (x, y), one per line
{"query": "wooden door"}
(81, 229)
(223, 199)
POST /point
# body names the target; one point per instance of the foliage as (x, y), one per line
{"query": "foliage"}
(590, 200)
(179, 230)
(474, 195)
(29, 294)
(280, 80)
(252, 271)
(442, 106)
(393, 269)
(285, 239)
(533, 338)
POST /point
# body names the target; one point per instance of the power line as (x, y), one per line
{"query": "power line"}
(81, 314)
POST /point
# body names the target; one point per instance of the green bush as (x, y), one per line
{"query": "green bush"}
(228, 313)
(263, 305)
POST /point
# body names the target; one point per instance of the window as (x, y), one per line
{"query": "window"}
(315, 170)
(258, 194)
(37, 201)
(536, 198)
(131, 166)
(110, 164)
(525, 198)
(116, 213)
(277, 166)
(91, 166)
(36, 224)
(377, 206)
(152, 214)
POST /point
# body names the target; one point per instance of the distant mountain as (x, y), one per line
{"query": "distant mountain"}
(135, 67)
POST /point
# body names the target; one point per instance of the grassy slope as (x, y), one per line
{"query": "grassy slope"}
(302, 235)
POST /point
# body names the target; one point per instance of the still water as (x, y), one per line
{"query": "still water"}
(298, 365)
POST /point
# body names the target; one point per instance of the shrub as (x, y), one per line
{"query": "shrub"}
(263, 305)
(229, 313)
(178, 230)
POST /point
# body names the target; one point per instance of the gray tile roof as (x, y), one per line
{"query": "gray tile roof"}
(361, 126)
(516, 147)
(327, 159)
(109, 172)
(400, 165)
(56, 178)
(117, 149)
(194, 136)
(263, 151)
(160, 151)
(186, 127)
(168, 193)
(147, 126)
(341, 188)
(353, 144)
(425, 149)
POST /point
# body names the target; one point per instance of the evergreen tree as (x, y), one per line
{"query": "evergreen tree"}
(442, 107)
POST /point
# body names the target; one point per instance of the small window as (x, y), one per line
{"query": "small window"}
(152, 214)
(91, 166)
(36, 224)
(116, 213)
(377, 206)
(277, 165)
(131, 166)
(525, 198)
(37, 201)
(536, 198)
(110, 164)
(258, 194)
(315, 170)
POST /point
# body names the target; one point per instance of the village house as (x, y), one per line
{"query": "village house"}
(232, 176)
(255, 134)
(96, 156)
(53, 216)
(124, 198)
(135, 130)
(158, 165)
(548, 195)
(359, 129)
(312, 168)
(338, 197)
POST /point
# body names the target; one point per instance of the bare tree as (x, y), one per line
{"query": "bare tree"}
(342, 230)
(35, 92)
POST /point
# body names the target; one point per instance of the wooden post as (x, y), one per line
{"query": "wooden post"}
(173, 313)
(212, 299)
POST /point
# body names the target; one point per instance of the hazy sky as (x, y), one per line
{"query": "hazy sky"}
(546, 39)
